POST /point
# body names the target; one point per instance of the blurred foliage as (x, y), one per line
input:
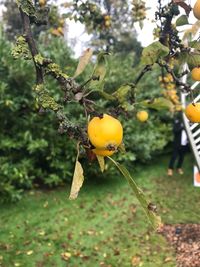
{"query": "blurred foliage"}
(32, 152)
(11, 17)
(48, 19)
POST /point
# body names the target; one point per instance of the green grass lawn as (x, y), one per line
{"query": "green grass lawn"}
(105, 226)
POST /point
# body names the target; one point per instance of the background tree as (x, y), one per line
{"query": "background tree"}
(111, 24)
(48, 19)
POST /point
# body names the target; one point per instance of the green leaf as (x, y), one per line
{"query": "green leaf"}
(191, 58)
(101, 162)
(158, 103)
(153, 52)
(78, 178)
(83, 61)
(99, 72)
(194, 44)
(121, 93)
(148, 207)
(182, 20)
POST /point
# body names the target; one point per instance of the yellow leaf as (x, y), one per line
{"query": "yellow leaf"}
(1, 258)
(17, 264)
(136, 260)
(78, 178)
(77, 181)
(83, 61)
(101, 162)
(168, 259)
(30, 252)
(66, 255)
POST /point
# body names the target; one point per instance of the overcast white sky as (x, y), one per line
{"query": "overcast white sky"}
(78, 38)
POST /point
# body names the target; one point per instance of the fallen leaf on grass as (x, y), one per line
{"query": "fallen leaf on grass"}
(42, 233)
(69, 236)
(18, 252)
(91, 232)
(116, 252)
(168, 259)
(135, 261)
(30, 252)
(66, 256)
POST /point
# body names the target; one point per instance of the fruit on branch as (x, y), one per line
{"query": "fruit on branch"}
(57, 31)
(196, 74)
(42, 3)
(138, 10)
(60, 30)
(170, 92)
(142, 115)
(107, 21)
(196, 9)
(103, 152)
(192, 112)
(105, 133)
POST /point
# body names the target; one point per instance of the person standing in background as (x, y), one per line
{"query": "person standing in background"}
(179, 146)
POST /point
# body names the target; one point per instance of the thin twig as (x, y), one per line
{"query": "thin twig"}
(177, 81)
(32, 45)
(141, 74)
(65, 125)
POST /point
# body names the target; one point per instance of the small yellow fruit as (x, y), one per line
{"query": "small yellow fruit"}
(196, 74)
(61, 22)
(196, 9)
(103, 152)
(42, 2)
(107, 17)
(105, 132)
(55, 32)
(192, 112)
(60, 30)
(107, 23)
(142, 115)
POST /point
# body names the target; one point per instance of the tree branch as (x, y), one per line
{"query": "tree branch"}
(65, 125)
(141, 74)
(177, 81)
(32, 45)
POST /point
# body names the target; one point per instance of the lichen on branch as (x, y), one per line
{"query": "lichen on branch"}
(27, 7)
(42, 66)
(44, 99)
